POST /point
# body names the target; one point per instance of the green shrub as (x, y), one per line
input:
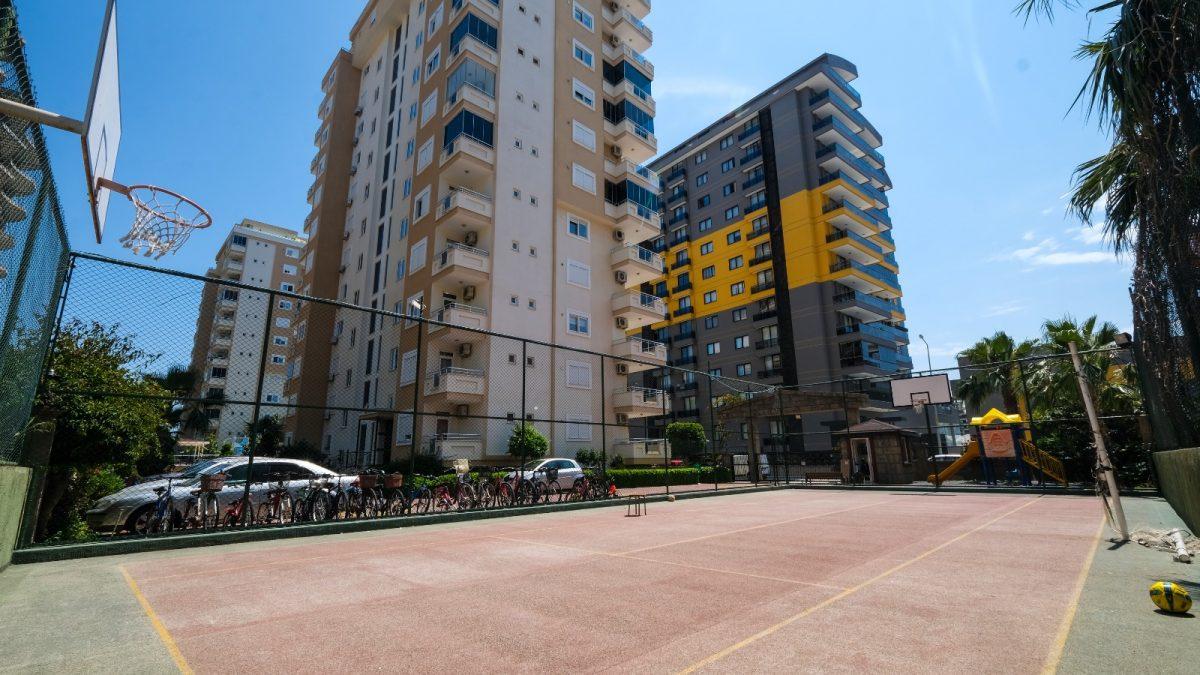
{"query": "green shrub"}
(657, 477)
(687, 439)
(527, 443)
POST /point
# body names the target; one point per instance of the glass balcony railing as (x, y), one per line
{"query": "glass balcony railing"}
(851, 137)
(748, 133)
(846, 234)
(874, 271)
(865, 188)
(844, 85)
(817, 100)
(857, 163)
(880, 305)
(834, 205)
(880, 331)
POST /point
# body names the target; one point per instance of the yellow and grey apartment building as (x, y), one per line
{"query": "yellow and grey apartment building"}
(780, 262)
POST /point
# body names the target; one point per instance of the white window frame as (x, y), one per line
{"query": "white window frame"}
(421, 204)
(584, 18)
(580, 368)
(417, 255)
(579, 429)
(408, 368)
(581, 268)
(572, 314)
(429, 107)
(579, 171)
(578, 88)
(589, 57)
(583, 135)
(425, 155)
(579, 223)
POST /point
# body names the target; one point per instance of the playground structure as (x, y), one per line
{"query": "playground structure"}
(1003, 440)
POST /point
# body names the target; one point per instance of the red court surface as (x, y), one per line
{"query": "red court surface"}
(803, 580)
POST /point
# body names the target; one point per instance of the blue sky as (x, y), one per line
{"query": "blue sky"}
(220, 103)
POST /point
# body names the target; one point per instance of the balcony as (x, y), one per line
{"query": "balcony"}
(470, 45)
(830, 130)
(488, 8)
(863, 306)
(675, 219)
(227, 303)
(465, 153)
(459, 318)
(221, 341)
(765, 315)
(455, 385)
(683, 311)
(641, 450)
(829, 104)
(627, 53)
(681, 263)
(627, 89)
(223, 321)
(767, 373)
(629, 29)
(680, 288)
(468, 207)
(457, 446)
(751, 155)
(635, 221)
(891, 335)
(760, 259)
(636, 310)
(763, 286)
(840, 187)
(470, 95)
(635, 264)
(757, 232)
(641, 402)
(626, 170)
(836, 157)
(828, 79)
(462, 263)
(636, 142)
(769, 343)
(646, 353)
(758, 179)
(675, 196)
(678, 173)
(847, 216)
(639, 8)
(865, 278)
(853, 246)
(233, 265)
(752, 131)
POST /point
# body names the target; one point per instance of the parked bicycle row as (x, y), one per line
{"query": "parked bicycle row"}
(227, 492)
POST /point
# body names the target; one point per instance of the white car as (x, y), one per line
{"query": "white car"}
(568, 470)
(122, 510)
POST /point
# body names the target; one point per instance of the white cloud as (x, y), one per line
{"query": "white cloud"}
(1049, 251)
(1076, 258)
(1048, 210)
(1004, 308)
(1029, 236)
(1089, 235)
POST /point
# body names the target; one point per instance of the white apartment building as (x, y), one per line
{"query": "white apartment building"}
(228, 346)
(494, 184)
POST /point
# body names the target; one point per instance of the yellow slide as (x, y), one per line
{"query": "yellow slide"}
(968, 455)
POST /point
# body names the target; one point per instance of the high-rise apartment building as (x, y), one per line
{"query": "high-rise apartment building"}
(228, 345)
(493, 183)
(321, 268)
(781, 263)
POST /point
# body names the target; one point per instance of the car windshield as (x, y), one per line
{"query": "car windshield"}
(197, 468)
(532, 465)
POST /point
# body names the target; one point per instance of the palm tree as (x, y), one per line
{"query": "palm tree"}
(1143, 88)
(185, 414)
(1111, 382)
(996, 373)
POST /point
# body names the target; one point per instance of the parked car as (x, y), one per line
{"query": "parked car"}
(122, 510)
(568, 470)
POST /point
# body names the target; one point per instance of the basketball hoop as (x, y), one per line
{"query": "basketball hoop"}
(163, 221)
(919, 401)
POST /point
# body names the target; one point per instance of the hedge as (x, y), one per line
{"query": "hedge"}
(630, 478)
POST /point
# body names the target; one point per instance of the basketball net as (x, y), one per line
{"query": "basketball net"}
(163, 219)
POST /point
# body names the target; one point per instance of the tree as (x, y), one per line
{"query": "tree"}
(994, 374)
(1143, 88)
(108, 418)
(528, 443)
(687, 439)
(269, 430)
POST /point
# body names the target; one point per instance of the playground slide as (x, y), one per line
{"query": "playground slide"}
(968, 456)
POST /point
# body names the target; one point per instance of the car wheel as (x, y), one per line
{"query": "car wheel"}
(139, 521)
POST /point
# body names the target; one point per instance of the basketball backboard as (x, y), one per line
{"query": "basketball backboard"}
(924, 390)
(102, 123)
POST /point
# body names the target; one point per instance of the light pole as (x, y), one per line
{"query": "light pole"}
(928, 356)
(929, 365)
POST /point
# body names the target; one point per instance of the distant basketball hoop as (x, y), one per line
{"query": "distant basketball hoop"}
(163, 219)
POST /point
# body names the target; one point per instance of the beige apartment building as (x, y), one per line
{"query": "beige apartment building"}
(228, 346)
(493, 182)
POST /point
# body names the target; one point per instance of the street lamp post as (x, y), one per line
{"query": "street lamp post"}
(929, 365)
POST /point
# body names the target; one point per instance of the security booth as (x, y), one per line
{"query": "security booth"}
(882, 454)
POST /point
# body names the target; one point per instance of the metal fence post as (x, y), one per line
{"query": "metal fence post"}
(603, 423)
(524, 415)
(254, 417)
(666, 444)
(783, 432)
(752, 455)
(416, 427)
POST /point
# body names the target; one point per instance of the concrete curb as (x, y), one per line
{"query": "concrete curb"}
(1003, 490)
(39, 554)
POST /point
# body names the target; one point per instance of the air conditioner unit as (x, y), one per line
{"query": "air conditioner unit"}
(622, 323)
(619, 235)
(621, 276)
(471, 238)
(616, 151)
(622, 369)
(622, 418)
(464, 350)
(614, 40)
(468, 293)
(462, 410)
(358, 112)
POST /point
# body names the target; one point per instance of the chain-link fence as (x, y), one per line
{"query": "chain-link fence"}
(33, 244)
(184, 402)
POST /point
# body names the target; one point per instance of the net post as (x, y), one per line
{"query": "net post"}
(603, 425)
(666, 444)
(258, 392)
(416, 405)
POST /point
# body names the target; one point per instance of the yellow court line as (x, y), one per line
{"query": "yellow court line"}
(846, 593)
(756, 527)
(1064, 629)
(163, 633)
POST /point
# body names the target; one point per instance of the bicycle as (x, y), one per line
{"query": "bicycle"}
(548, 487)
(278, 505)
(241, 509)
(364, 497)
(203, 509)
(160, 518)
(587, 487)
(312, 502)
(514, 488)
(460, 498)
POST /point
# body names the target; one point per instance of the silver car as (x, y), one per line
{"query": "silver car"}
(128, 509)
(568, 470)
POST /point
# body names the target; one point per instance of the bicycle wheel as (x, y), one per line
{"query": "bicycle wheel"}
(465, 500)
(552, 492)
(487, 496)
(422, 501)
(285, 508)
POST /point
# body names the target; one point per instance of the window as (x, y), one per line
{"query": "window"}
(584, 94)
(737, 288)
(685, 302)
(579, 375)
(285, 304)
(278, 359)
(408, 367)
(287, 288)
(429, 107)
(583, 179)
(579, 429)
(703, 201)
(740, 314)
(283, 322)
(583, 135)
(238, 240)
(710, 297)
(584, 55)
(735, 262)
(727, 190)
(579, 274)
(291, 252)
(579, 324)
(279, 341)
(728, 165)
(473, 74)
(710, 322)
(727, 141)
(585, 18)
(421, 204)
(701, 156)
(733, 212)
(702, 179)
(705, 225)
(744, 370)
(217, 372)
(741, 342)
(394, 359)
(416, 256)
(708, 272)
(435, 19)
(706, 248)
(425, 156)
(712, 348)
(577, 227)
(433, 62)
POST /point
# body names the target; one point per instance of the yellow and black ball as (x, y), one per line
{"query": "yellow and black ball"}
(1170, 597)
